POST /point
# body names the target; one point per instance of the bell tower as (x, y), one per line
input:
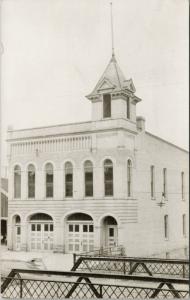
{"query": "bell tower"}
(113, 96)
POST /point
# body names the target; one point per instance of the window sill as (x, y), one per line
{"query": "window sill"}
(153, 198)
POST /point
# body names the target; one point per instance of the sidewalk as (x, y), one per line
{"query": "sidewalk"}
(34, 260)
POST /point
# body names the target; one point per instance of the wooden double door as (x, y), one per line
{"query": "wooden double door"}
(79, 237)
(41, 236)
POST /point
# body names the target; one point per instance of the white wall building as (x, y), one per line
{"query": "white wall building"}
(77, 186)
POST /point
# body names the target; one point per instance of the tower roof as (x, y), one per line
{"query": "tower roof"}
(113, 80)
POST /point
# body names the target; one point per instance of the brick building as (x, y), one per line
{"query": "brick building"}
(102, 183)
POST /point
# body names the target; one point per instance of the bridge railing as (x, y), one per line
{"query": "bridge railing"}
(15, 286)
(103, 251)
(133, 265)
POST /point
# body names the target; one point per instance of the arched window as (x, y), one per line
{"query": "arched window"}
(49, 180)
(129, 178)
(31, 181)
(17, 182)
(68, 179)
(17, 219)
(88, 177)
(108, 177)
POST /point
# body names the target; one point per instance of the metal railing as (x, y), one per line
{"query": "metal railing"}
(132, 265)
(14, 286)
(103, 251)
(48, 289)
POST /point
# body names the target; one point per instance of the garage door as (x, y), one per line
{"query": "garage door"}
(41, 236)
(80, 237)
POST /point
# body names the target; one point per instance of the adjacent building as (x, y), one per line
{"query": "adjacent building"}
(101, 183)
(4, 209)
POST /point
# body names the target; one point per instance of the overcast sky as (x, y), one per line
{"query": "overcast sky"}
(56, 50)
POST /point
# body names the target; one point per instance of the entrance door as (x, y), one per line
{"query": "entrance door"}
(111, 235)
(41, 236)
(80, 237)
(17, 237)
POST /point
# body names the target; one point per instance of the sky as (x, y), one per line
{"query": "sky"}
(54, 52)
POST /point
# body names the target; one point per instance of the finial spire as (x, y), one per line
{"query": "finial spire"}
(112, 36)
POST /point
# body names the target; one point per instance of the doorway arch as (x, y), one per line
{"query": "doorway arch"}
(40, 232)
(109, 232)
(79, 235)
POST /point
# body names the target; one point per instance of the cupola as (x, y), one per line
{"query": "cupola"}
(113, 96)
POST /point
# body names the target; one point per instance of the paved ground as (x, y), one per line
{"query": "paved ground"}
(51, 261)
(34, 260)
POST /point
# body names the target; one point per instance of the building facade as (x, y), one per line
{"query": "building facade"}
(102, 183)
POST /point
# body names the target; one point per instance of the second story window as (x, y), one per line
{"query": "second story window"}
(17, 182)
(128, 108)
(108, 177)
(107, 106)
(68, 179)
(164, 183)
(166, 232)
(129, 178)
(182, 186)
(88, 177)
(31, 181)
(49, 180)
(152, 183)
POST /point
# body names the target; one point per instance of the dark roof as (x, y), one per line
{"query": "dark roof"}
(113, 78)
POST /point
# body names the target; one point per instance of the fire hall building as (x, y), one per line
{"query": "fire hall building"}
(102, 183)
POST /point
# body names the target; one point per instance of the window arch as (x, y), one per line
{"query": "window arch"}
(17, 181)
(108, 177)
(129, 178)
(88, 177)
(31, 181)
(49, 180)
(68, 179)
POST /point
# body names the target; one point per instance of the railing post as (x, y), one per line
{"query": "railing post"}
(101, 296)
(124, 268)
(74, 258)
(21, 291)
